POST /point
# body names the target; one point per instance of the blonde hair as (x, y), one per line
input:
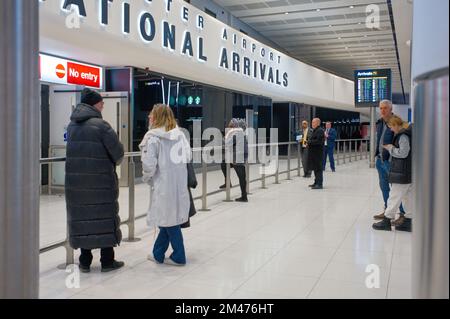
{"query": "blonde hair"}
(397, 121)
(162, 116)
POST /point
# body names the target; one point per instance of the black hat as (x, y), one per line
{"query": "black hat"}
(90, 97)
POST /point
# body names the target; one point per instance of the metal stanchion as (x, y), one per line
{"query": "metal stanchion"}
(367, 149)
(228, 183)
(299, 168)
(361, 151)
(337, 153)
(131, 197)
(70, 260)
(247, 177)
(349, 151)
(343, 151)
(277, 171)
(263, 177)
(289, 163)
(204, 187)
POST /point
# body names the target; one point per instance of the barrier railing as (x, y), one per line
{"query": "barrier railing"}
(351, 145)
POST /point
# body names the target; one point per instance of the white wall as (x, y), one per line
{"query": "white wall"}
(401, 110)
(107, 46)
(430, 36)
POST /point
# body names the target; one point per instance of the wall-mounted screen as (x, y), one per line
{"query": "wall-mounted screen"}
(372, 86)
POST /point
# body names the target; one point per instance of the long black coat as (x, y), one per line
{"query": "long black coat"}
(316, 142)
(92, 188)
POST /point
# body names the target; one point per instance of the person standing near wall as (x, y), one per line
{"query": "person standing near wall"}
(400, 176)
(385, 136)
(303, 144)
(165, 155)
(91, 186)
(330, 142)
(315, 149)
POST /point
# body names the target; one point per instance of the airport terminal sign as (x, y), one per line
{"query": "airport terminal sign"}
(183, 32)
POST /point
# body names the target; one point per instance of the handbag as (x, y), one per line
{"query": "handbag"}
(192, 183)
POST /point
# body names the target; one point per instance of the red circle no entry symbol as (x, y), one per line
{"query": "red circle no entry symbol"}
(60, 71)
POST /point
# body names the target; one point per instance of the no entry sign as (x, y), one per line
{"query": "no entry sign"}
(61, 71)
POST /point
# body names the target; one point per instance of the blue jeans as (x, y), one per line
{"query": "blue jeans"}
(173, 236)
(383, 174)
(329, 152)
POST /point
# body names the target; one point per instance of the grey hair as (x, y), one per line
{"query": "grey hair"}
(387, 102)
(234, 123)
(242, 124)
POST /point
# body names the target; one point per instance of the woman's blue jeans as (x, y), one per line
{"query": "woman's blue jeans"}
(174, 237)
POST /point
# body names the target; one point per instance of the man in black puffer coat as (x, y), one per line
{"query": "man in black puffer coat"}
(92, 188)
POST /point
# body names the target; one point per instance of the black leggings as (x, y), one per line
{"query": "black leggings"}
(240, 171)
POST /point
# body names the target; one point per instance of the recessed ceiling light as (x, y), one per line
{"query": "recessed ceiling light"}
(351, 7)
(359, 22)
(286, 13)
(317, 10)
(330, 25)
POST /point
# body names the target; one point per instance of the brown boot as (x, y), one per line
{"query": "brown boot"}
(379, 216)
(399, 221)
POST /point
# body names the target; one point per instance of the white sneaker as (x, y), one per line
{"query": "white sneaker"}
(169, 261)
(152, 258)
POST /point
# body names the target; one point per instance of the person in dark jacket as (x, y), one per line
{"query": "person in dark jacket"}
(303, 143)
(236, 152)
(330, 144)
(316, 143)
(400, 176)
(385, 136)
(91, 186)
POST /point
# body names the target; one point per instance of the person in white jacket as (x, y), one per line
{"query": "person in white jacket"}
(165, 154)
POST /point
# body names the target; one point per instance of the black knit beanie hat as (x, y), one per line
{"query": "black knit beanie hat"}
(90, 97)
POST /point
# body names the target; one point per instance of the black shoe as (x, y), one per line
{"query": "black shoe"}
(224, 186)
(406, 225)
(84, 269)
(312, 185)
(385, 224)
(317, 187)
(242, 199)
(115, 265)
(333, 170)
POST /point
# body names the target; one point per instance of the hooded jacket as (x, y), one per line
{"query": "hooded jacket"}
(164, 163)
(91, 184)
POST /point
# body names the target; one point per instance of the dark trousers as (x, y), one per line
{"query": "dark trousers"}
(240, 171)
(329, 153)
(174, 237)
(106, 259)
(304, 156)
(318, 174)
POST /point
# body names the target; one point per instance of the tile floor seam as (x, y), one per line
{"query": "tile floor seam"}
(268, 261)
(335, 253)
(390, 268)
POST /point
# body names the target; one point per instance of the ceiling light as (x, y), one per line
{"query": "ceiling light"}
(351, 7)
(317, 10)
(330, 25)
(286, 13)
(339, 38)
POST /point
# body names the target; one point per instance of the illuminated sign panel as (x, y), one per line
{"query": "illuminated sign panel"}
(372, 86)
(61, 71)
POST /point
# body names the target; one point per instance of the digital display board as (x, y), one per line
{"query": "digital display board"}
(372, 86)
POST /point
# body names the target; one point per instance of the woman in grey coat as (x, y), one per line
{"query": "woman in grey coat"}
(165, 154)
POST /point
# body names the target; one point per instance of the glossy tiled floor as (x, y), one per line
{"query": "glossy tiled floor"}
(287, 242)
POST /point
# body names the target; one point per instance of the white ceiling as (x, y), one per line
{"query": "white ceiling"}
(330, 34)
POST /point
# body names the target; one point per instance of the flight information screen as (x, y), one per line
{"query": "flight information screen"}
(372, 86)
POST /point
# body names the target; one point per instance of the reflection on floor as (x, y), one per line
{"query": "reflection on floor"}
(287, 242)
